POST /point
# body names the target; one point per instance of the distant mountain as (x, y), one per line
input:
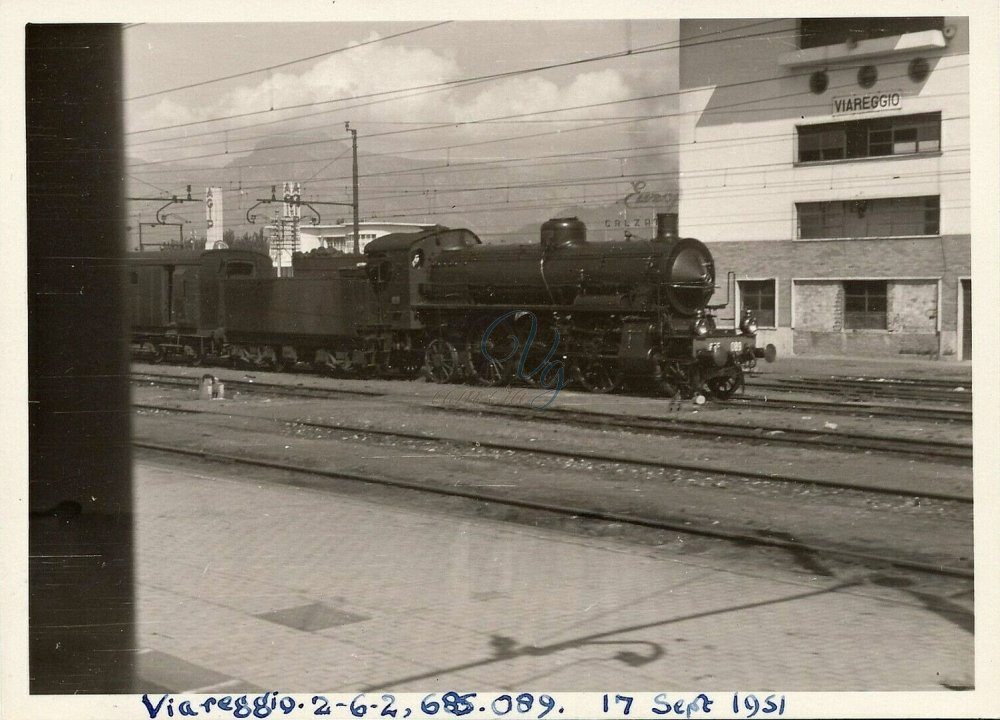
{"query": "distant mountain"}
(503, 204)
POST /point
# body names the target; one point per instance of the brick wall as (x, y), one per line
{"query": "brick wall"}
(912, 305)
(819, 306)
(868, 343)
(947, 257)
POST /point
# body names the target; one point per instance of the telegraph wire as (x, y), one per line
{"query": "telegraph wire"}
(451, 123)
(706, 174)
(461, 82)
(541, 112)
(286, 64)
(577, 201)
(458, 167)
(155, 187)
(742, 191)
(607, 179)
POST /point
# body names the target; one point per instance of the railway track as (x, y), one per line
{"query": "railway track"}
(856, 388)
(254, 386)
(954, 451)
(939, 383)
(855, 408)
(710, 470)
(774, 539)
(939, 450)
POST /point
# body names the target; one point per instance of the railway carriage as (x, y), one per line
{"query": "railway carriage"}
(175, 296)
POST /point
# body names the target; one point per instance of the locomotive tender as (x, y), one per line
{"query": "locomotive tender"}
(441, 303)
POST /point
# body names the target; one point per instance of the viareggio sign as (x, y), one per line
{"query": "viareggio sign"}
(868, 102)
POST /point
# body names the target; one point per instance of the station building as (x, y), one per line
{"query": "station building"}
(340, 236)
(826, 163)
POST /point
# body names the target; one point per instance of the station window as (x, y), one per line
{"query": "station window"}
(818, 32)
(875, 137)
(865, 305)
(879, 217)
(758, 296)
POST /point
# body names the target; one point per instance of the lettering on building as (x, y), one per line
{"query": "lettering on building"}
(870, 102)
(640, 196)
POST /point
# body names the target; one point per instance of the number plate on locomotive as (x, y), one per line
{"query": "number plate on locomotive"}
(735, 346)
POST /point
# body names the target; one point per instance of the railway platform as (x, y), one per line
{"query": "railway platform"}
(247, 586)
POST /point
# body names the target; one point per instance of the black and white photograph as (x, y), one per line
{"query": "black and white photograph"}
(425, 361)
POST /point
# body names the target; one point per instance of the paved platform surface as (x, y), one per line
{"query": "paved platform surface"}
(242, 585)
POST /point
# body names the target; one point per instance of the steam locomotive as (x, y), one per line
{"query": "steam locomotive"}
(439, 302)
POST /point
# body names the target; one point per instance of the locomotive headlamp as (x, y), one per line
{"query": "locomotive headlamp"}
(748, 325)
(701, 327)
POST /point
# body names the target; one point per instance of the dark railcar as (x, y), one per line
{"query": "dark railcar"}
(175, 297)
(326, 314)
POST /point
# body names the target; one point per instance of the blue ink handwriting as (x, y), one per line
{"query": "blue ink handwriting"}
(544, 369)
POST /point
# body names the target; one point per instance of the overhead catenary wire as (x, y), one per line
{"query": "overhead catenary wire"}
(730, 189)
(606, 179)
(506, 162)
(515, 117)
(743, 103)
(740, 141)
(656, 47)
(960, 177)
(267, 68)
(748, 190)
(700, 146)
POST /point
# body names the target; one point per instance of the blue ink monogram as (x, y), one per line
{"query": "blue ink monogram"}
(544, 369)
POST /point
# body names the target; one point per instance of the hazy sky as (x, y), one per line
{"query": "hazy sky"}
(606, 115)
(160, 57)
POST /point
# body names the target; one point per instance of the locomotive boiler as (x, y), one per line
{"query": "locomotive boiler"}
(633, 311)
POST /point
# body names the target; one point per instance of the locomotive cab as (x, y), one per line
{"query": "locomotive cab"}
(398, 267)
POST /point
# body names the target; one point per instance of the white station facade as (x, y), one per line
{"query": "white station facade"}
(826, 162)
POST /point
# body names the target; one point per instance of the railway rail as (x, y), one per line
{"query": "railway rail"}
(940, 450)
(303, 391)
(865, 388)
(853, 408)
(756, 400)
(711, 470)
(736, 535)
(955, 451)
(937, 382)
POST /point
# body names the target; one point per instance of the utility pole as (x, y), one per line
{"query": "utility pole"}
(354, 146)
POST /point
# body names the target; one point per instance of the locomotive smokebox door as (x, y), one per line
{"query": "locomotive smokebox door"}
(635, 351)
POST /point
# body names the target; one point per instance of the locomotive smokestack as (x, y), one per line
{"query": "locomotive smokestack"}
(666, 226)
